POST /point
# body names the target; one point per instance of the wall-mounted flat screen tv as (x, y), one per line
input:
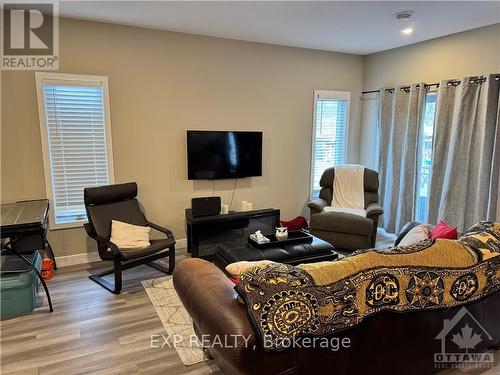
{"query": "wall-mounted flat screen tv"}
(223, 154)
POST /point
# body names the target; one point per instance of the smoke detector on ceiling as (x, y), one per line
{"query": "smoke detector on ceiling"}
(404, 16)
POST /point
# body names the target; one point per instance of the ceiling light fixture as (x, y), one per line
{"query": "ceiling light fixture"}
(404, 18)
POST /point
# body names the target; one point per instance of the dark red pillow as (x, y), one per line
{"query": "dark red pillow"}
(443, 230)
(298, 223)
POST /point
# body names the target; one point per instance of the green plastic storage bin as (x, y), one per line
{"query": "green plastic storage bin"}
(18, 291)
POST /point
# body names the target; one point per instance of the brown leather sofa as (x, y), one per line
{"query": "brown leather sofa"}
(346, 231)
(386, 343)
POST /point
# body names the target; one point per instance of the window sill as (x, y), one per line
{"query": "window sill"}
(70, 225)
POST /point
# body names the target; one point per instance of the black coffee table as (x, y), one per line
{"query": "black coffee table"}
(316, 251)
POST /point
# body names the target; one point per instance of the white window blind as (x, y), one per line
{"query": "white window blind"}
(331, 116)
(76, 144)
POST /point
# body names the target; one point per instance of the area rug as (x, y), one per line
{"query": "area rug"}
(175, 318)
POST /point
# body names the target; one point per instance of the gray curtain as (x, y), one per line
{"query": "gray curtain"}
(466, 152)
(400, 120)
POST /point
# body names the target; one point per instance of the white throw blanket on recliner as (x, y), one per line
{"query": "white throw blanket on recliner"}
(348, 190)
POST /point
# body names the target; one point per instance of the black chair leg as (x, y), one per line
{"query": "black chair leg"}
(171, 260)
(117, 271)
(48, 248)
(159, 267)
(118, 275)
(118, 268)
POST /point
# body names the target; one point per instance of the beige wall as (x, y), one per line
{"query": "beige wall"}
(472, 52)
(163, 83)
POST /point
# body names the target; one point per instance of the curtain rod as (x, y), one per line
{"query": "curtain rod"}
(454, 82)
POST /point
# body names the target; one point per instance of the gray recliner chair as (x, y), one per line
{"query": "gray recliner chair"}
(342, 230)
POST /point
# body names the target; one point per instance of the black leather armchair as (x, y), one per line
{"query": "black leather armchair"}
(118, 202)
(346, 231)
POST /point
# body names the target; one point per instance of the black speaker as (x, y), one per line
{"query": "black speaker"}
(205, 206)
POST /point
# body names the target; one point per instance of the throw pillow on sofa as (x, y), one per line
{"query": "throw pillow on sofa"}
(129, 237)
(443, 230)
(415, 235)
(298, 223)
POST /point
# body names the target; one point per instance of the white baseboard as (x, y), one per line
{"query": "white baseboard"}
(71, 260)
(181, 244)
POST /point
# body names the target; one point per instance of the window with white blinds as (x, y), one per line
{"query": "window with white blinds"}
(330, 125)
(74, 116)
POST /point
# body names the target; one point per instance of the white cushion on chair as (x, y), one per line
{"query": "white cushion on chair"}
(129, 237)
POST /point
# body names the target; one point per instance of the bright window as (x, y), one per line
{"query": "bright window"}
(425, 152)
(330, 127)
(76, 138)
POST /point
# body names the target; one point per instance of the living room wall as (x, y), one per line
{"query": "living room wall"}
(163, 83)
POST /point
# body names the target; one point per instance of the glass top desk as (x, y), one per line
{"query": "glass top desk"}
(23, 231)
(23, 217)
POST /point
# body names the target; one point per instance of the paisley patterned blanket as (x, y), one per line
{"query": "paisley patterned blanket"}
(286, 302)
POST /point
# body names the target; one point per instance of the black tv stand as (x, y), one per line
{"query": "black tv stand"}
(206, 233)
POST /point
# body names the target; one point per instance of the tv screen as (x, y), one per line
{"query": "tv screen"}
(223, 154)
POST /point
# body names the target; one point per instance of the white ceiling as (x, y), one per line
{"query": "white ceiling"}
(353, 27)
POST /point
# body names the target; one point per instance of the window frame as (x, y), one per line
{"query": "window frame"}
(420, 151)
(332, 95)
(75, 80)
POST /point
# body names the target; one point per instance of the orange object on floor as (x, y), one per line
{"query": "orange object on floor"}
(47, 269)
